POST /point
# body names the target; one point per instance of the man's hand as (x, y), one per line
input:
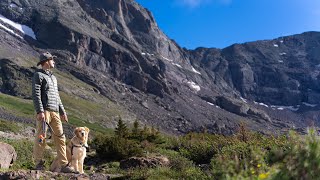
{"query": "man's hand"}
(64, 117)
(41, 116)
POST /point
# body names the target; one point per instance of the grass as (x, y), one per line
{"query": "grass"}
(79, 111)
(7, 126)
(94, 127)
(17, 106)
(93, 107)
(94, 111)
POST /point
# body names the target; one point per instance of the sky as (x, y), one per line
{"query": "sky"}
(221, 23)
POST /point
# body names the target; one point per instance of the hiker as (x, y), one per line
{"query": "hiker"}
(48, 106)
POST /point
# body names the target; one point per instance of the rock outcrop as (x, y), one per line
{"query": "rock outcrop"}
(7, 156)
(144, 162)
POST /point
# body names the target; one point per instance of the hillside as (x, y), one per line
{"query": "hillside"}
(113, 60)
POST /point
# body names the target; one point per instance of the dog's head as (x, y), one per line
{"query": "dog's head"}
(82, 134)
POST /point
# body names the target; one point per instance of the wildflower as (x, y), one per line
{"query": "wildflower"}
(252, 172)
(259, 165)
(263, 175)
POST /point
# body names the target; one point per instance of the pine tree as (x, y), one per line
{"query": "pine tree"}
(121, 129)
(153, 130)
(144, 133)
(243, 132)
(135, 129)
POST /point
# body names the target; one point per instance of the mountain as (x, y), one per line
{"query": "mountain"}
(113, 60)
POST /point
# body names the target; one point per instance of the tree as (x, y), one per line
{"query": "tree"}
(243, 133)
(135, 129)
(121, 129)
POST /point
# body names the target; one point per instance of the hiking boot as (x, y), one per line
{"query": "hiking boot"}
(40, 166)
(68, 169)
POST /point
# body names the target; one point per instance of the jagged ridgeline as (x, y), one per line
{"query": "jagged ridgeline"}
(113, 60)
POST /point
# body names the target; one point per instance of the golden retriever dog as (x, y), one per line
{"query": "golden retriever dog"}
(77, 148)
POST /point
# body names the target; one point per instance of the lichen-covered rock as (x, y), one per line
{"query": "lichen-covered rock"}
(149, 162)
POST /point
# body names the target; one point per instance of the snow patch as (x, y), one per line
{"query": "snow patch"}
(10, 30)
(283, 53)
(292, 108)
(177, 65)
(261, 104)
(194, 70)
(22, 28)
(166, 59)
(310, 105)
(143, 54)
(275, 45)
(13, 5)
(281, 41)
(243, 99)
(193, 86)
(210, 103)
(280, 61)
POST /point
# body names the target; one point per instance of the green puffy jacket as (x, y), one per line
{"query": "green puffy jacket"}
(45, 92)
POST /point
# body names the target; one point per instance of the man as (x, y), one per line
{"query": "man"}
(48, 107)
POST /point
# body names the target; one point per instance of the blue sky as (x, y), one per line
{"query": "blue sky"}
(220, 23)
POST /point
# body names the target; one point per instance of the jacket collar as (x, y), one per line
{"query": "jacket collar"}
(48, 72)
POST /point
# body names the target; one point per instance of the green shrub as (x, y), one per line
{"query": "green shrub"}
(240, 159)
(161, 173)
(177, 162)
(302, 159)
(252, 156)
(198, 152)
(201, 147)
(116, 148)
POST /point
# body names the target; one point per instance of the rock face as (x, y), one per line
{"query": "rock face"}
(149, 162)
(116, 47)
(7, 156)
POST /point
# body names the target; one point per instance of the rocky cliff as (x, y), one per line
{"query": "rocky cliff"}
(116, 48)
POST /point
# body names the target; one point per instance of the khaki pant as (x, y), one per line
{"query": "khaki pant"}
(60, 141)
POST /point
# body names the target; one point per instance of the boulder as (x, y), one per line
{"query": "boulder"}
(7, 156)
(232, 105)
(260, 114)
(149, 162)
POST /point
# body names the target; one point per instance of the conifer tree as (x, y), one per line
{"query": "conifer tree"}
(144, 133)
(121, 129)
(135, 132)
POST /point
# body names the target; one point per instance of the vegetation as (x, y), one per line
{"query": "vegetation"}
(7, 126)
(24, 150)
(244, 155)
(17, 106)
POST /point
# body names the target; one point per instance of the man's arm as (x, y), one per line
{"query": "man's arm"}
(62, 111)
(36, 93)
